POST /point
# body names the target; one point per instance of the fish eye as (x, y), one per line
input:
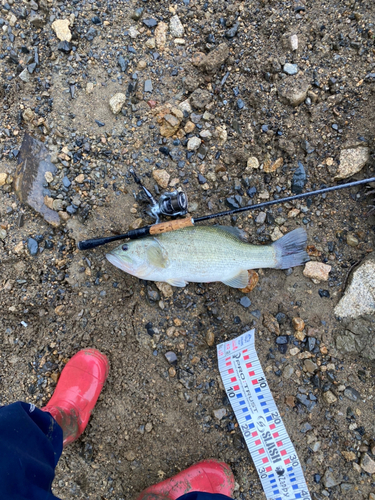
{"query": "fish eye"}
(125, 247)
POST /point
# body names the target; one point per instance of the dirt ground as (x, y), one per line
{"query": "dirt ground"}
(154, 419)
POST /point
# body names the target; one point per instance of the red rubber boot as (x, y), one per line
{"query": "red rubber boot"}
(209, 476)
(77, 391)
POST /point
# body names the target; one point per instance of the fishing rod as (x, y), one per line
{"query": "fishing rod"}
(173, 225)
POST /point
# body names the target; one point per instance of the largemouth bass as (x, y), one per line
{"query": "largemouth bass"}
(204, 254)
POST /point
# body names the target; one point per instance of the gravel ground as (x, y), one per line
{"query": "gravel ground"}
(236, 103)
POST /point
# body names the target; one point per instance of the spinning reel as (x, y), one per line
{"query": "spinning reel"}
(170, 204)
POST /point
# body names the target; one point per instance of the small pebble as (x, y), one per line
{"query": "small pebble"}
(298, 324)
(32, 246)
(194, 143)
(116, 103)
(245, 302)
(351, 240)
(65, 47)
(317, 271)
(171, 357)
(161, 177)
(148, 86)
(210, 338)
(290, 69)
(219, 413)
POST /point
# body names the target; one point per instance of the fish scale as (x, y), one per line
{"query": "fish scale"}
(257, 415)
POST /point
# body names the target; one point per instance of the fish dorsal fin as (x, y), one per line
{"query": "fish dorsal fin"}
(157, 255)
(177, 282)
(234, 231)
(239, 281)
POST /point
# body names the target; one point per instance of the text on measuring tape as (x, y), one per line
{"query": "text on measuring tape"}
(270, 447)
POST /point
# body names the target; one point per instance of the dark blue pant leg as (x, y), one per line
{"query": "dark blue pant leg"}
(198, 495)
(30, 447)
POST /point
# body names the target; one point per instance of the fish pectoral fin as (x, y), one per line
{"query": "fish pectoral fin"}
(157, 255)
(177, 282)
(239, 281)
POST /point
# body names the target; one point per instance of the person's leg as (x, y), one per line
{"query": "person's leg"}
(31, 443)
(207, 480)
(31, 440)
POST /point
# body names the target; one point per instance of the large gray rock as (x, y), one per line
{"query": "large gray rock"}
(359, 298)
(34, 162)
(357, 311)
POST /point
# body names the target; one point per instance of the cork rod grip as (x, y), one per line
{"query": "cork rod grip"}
(171, 225)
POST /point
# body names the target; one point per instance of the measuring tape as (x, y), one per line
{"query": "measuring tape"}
(270, 447)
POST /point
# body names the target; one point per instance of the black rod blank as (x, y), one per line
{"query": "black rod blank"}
(284, 200)
(134, 234)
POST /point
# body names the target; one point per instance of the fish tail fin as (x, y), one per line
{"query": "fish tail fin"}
(290, 249)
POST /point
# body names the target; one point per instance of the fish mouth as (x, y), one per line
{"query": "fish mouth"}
(118, 262)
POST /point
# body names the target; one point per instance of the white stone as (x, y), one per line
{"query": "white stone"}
(165, 288)
(220, 413)
(293, 42)
(48, 177)
(28, 115)
(179, 41)
(207, 116)
(133, 32)
(175, 27)
(116, 102)
(252, 162)
(194, 143)
(205, 134)
(150, 43)
(24, 75)
(12, 20)
(329, 397)
(185, 106)
(222, 134)
(61, 28)
(352, 160)
(316, 446)
(264, 195)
